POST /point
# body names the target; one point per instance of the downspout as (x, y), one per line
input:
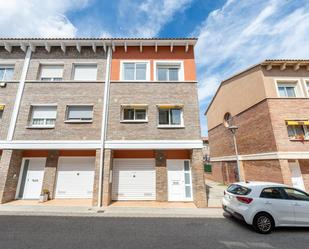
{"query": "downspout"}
(19, 95)
(104, 121)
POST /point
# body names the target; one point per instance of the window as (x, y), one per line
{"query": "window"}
(238, 189)
(298, 130)
(169, 71)
(135, 71)
(271, 193)
(134, 114)
(79, 113)
(287, 90)
(85, 72)
(307, 84)
(51, 72)
(187, 176)
(170, 117)
(6, 73)
(43, 116)
(294, 194)
(227, 119)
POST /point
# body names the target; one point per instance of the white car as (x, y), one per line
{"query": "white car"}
(266, 205)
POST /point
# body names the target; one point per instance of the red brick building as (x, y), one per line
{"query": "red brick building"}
(269, 103)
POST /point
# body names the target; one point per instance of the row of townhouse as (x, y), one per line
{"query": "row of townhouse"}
(269, 103)
(104, 119)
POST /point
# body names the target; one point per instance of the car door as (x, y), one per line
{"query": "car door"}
(300, 202)
(274, 201)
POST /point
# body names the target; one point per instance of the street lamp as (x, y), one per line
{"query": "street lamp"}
(233, 129)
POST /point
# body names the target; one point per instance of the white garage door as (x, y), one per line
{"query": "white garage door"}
(134, 179)
(75, 177)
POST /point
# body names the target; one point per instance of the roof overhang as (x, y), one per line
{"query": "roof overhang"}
(23, 43)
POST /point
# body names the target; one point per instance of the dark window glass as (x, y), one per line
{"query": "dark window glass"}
(294, 194)
(128, 114)
(173, 74)
(163, 116)
(238, 189)
(140, 114)
(271, 193)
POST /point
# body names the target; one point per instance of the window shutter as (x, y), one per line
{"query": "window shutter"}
(51, 71)
(80, 112)
(85, 72)
(46, 112)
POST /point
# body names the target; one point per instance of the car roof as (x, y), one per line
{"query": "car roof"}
(260, 184)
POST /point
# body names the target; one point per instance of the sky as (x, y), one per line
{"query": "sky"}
(233, 34)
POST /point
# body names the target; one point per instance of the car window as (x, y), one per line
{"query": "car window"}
(238, 189)
(271, 193)
(295, 194)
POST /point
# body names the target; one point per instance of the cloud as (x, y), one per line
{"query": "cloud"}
(245, 32)
(38, 18)
(149, 16)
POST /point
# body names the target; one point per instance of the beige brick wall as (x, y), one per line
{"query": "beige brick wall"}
(50, 172)
(61, 94)
(254, 134)
(96, 178)
(198, 183)
(161, 176)
(288, 109)
(68, 59)
(10, 165)
(107, 185)
(7, 97)
(153, 94)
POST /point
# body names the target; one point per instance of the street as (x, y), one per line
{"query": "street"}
(107, 232)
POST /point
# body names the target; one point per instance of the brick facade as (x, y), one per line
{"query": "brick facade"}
(50, 172)
(161, 175)
(198, 183)
(107, 185)
(153, 94)
(304, 167)
(10, 165)
(96, 178)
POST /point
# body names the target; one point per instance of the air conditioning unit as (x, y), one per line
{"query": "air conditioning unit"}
(2, 84)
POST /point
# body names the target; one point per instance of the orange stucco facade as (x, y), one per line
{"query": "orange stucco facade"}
(149, 53)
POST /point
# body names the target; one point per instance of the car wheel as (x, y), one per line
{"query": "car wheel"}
(263, 223)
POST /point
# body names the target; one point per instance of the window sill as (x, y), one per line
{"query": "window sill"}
(134, 121)
(170, 126)
(298, 139)
(78, 121)
(40, 127)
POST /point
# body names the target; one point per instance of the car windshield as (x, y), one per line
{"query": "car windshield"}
(238, 189)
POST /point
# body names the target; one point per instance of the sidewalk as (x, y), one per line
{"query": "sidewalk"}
(82, 211)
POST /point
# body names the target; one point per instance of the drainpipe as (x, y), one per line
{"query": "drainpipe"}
(19, 95)
(104, 121)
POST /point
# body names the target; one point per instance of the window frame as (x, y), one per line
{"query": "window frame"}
(30, 120)
(54, 79)
(181, 125)
(122, 62)
(7, 66)
(304, 127)
(288, 82)
(306, 82)
(135, 107)
(173, 63)
(76, 121)
(76, 64)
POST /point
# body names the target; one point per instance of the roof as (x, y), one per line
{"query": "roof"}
(99, 41)
(268, 63)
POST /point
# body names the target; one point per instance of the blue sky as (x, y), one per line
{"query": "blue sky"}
(233, 34)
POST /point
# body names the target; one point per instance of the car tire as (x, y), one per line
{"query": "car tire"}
(263, 223)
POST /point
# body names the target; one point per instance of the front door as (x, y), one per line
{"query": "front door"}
(33, 173)
(179, 180)
(297, 179)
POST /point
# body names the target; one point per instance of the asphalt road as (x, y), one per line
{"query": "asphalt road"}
(102, 232)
